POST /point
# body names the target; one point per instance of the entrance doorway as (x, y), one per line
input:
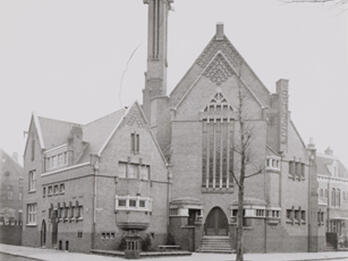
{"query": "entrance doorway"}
(43, 234)
(216, 223)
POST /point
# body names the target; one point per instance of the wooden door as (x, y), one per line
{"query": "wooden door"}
(216, 223)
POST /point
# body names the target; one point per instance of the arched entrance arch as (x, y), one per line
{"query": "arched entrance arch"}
(216, 223)
(43, 233)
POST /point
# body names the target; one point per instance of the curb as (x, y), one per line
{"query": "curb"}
(16, 255)
(321, 258)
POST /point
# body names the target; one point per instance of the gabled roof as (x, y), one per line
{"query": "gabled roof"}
(123, 117)
(55, 132)
(97, 132)
(34, 121)
(223, 46)
(325, 165)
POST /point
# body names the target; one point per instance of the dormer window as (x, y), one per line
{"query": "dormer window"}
(57, 157)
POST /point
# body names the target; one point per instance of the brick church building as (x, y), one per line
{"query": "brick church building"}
(165, 169)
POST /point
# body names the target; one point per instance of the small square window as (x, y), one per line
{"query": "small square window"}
(62, 188)
(303, 215)
(142, 203)
(234, 212)
(50, 190)
(121, 202)
(55, 190)
(132, 203)
(112, 235)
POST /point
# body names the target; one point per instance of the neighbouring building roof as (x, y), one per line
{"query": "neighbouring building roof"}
(5, 160)
(328, 165)
(56, 132)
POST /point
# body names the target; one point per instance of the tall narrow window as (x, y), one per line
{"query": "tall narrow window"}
(137, 143)
(133, 142)
(338, 198)
(32, 149)
(31, 214)
(217, 145)
(32, 180)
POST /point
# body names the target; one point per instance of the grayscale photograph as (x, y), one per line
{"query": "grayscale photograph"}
(173, 130)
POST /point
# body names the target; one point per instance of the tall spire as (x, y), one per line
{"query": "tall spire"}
(156, 75)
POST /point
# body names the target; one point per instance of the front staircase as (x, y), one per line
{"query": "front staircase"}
(216, 244)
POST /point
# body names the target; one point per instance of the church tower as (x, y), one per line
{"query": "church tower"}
(155, 92)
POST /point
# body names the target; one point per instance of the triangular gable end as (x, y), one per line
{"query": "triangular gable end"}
(130, 117)
(218, 70)
(35, 121)
(218, 48)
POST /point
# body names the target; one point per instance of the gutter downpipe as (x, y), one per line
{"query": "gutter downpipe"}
(95, 165)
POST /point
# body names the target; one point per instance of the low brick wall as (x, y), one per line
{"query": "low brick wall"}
(11, 234)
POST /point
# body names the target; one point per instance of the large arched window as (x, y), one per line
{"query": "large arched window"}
(217, 154)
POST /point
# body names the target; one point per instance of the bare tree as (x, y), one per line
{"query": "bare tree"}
(246, 164)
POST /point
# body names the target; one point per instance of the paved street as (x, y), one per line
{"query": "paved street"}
(55, 255)
(7, 257)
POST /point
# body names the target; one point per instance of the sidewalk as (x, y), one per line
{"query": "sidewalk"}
(56, 255)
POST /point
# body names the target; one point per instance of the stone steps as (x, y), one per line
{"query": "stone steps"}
(215, 244)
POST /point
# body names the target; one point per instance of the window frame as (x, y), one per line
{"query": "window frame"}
(31, 219)
(32, 181)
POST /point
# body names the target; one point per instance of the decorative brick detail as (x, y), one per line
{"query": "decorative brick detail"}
(219, 70)
(135, 117)
(214, 46)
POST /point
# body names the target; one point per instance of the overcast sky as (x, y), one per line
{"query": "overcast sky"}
(64, 59)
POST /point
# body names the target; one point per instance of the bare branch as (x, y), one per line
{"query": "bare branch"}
(235, 179)
(255, 173)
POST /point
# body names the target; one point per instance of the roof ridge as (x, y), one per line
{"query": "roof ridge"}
(103, 117)
(62, 121)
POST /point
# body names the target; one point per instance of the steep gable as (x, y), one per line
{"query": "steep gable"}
(219, 61)
(55, 132)
(96, 132)
(133, 115)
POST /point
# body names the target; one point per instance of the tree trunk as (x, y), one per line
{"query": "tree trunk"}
(240, 250)
(240, 218)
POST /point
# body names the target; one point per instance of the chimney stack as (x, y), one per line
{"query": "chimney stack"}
(282, 90)
(219, 31)
(329, 151)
